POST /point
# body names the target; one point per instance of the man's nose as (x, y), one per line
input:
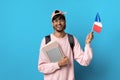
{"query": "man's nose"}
(59, 22)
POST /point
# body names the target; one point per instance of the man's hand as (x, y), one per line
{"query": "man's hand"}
(89, 37)
(63, 62)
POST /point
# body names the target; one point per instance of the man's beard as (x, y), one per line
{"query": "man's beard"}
(61, 29)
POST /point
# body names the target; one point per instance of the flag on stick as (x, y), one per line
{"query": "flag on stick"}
(97, 26)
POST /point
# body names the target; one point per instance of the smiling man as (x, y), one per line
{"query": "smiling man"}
(64, 69)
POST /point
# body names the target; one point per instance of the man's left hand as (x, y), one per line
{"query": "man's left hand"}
(89, 37)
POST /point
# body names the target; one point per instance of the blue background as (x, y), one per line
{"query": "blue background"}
(23, 24)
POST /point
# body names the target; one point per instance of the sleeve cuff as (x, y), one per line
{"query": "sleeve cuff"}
(88, 45)
(57, 66)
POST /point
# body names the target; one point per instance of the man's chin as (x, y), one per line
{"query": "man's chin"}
(59, 30)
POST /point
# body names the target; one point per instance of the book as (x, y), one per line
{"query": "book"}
(53, 51)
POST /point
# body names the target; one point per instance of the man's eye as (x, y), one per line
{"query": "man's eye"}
(56, 21)
(61, 20)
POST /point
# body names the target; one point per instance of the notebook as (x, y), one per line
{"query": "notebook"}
(53, 51)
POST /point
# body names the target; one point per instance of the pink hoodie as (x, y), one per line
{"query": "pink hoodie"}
(52, 71)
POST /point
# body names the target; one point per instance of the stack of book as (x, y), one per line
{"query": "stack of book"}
(53, 51)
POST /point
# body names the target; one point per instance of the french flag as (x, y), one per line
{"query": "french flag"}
(97, 26)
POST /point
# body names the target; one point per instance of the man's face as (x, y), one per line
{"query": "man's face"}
(59, 24)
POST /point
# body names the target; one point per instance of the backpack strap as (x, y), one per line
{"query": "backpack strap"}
(47, 39)
(71, 41)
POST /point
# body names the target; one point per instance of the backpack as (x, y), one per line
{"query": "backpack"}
(70, 39)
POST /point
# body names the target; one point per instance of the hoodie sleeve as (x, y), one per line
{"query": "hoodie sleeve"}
(44, 65)
(82, 57)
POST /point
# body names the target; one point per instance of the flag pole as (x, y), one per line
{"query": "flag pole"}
(92, 31)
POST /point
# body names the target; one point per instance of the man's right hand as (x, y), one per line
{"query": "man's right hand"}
(63, 62)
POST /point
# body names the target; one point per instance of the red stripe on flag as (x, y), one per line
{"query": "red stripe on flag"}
(97, 28)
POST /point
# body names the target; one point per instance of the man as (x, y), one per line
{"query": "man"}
(64, 69)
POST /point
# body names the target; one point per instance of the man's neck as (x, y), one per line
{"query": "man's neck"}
(59, 34)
